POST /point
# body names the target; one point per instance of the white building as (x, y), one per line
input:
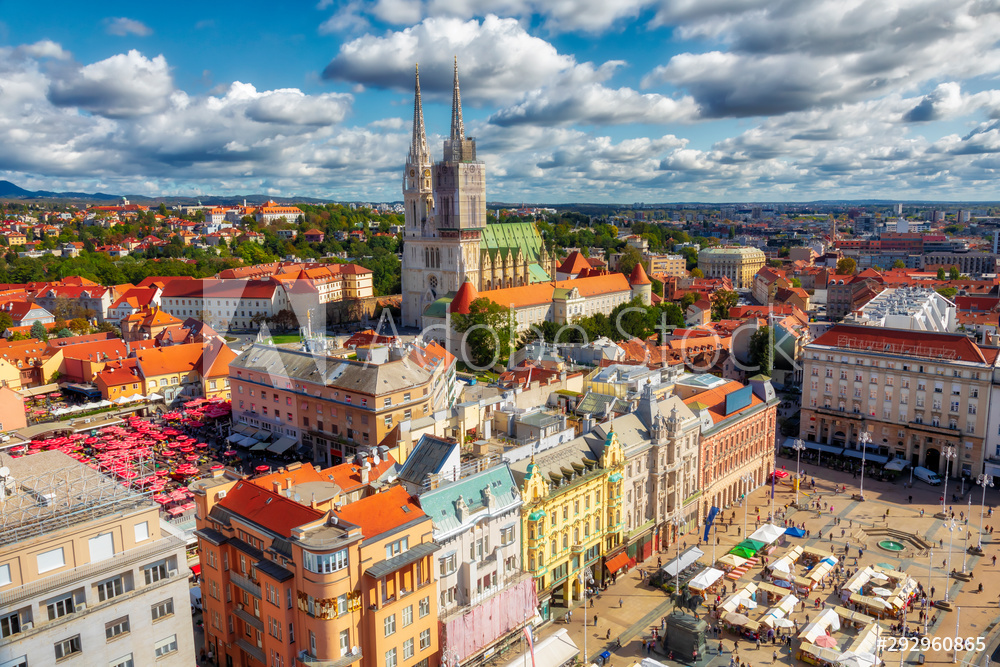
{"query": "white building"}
(87, 571)
(911, 308)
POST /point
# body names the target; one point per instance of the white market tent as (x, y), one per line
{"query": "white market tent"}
(768, 533)
(686, 559)
(705, 579)
(555, 650)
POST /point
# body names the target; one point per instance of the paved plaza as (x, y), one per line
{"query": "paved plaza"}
(642, 606)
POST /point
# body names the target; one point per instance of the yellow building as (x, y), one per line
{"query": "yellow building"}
(571, 516)
(671, 265)
(738, 263)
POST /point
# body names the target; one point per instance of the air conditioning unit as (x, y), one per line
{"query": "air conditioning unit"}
(81, 607)
(239, 605)
(171, 573)
(27, 626)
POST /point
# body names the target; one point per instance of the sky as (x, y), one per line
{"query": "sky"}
(614, 101)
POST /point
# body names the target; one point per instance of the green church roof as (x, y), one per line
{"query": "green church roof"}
(505, 236)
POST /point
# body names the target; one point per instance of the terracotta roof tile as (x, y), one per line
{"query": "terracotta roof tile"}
(382, 512)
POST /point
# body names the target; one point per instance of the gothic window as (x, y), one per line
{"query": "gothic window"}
(432, 283)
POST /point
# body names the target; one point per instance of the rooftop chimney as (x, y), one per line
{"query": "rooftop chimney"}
(277, 487)
(364, 472)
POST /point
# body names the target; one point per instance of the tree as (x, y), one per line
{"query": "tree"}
(6, 321)
(38, 331)
(697, 273)
(630, 257)
(722, 301)
(940, 273)
(488, 327)
(796, 282)
(64, 333)
(108, 327)
(762, 350)
(899, 264)
(688, 300)
(847, 266)
(947, 292)
(954, 273)
(79, 325)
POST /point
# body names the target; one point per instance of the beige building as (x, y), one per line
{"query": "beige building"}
(913, 392)
(87, 570)
(737, 263)
(671, 265)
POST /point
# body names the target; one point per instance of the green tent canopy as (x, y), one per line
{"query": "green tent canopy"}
(742, 552)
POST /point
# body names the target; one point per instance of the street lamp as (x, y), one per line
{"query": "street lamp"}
(949, 454)
(747, 480)
(798, 446)
(586, 579)
(983, 481)
(864, 439)
(947, 569)
(965, 556)
(677, 523)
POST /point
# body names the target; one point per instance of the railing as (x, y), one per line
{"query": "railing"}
(245, 583)
(248, 618)
(119, 562)
(253, 650)
(343, 661)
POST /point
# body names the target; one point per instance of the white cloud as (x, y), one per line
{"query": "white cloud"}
(127, 84)
(557, 15)
(294, 107)
(122, 26)
(787, 55)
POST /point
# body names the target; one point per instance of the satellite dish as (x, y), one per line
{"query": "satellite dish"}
(4, 472)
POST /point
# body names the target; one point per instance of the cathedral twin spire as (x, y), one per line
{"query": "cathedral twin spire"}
(419, 153)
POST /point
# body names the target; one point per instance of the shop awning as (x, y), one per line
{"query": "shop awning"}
(870, 457)
(897, 464)
(246, 441)
(282, 445)
(38, 391)
(259, 447)
(767, 533)
(616, 563)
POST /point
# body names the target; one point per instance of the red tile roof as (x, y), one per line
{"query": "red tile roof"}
(574, 263)
(922, 344)
(348, 475)
(268, 509)
(463, 299)
(638, 276)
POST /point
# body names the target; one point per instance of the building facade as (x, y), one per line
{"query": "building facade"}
(225, 304)
(572, 514)
(335, 405)
(737, 263)
(913, 392)
(481, 585)
(91, 574)
(290, 581)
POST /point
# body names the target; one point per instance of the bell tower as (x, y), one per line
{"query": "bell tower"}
(460, 196)
(418, 270)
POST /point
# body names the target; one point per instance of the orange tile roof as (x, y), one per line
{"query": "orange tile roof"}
(348, 475)
(267, 509)
(173, 359)
(382, 512)
(300, 475)
(97, 351)
(715, 399)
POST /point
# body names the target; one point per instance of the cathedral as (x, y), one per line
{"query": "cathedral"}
(447, 240)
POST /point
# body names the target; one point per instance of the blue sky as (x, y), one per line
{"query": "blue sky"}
(577, 100)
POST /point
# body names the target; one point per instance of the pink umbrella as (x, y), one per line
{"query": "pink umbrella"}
(191, 457)
(229, 452)
(262, 468)
(217, 466)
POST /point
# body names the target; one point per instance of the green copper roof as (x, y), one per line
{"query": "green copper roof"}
(439, 308)
(538, 274)
(536, 515)
(512, 235)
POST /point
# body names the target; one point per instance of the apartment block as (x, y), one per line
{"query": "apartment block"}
(87, 571)
(292, 576)
(913, 392)
(336, 405)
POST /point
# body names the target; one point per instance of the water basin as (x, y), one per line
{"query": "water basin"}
(891, 545)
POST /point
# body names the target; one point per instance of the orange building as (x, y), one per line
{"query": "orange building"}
(290, 577)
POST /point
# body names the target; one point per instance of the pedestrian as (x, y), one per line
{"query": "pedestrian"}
(774, 657)
(720, 648)
(595, 620)
(620, 603)
(921, 511)
(994, 561)
(608, 636)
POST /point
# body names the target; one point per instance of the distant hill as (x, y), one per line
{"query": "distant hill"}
(9, 190)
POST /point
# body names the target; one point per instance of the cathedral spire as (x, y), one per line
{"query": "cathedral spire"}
(419, 152)
(457, 126)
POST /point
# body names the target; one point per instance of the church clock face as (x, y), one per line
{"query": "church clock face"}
(427, 173)
(413, 172)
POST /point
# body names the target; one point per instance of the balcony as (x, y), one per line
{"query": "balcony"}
(245, 583)
(247, 617)
(252, 650)
(120, 562)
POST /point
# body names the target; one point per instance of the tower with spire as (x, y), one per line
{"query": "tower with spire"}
(445, 212)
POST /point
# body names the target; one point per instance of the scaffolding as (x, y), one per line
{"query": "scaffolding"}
(46, 492)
